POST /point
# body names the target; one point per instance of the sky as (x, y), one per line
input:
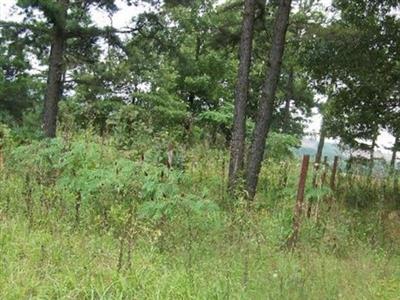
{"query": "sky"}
(122, 19)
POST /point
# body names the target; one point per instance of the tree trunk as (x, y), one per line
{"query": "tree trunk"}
(321, 143)
(394, 153)
(372, 152)
(372, 158)
(241, 94)
(55, 74)
(289, 97)
(266, 103)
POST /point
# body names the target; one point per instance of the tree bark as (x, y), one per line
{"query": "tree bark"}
(266, 103)
(241, 95)
(55, 74)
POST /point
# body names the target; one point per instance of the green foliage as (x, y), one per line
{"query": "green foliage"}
(222, 117)
(218, 121)
(30, 127)
(281, 146)
(4, 135)
(356, 94)
(18, 90)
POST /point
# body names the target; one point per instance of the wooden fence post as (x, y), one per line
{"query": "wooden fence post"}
(299, 203)
(317, 166)
(325, 165)
(334, 170)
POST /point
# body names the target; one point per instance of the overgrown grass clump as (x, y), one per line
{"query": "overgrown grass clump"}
(82, 219)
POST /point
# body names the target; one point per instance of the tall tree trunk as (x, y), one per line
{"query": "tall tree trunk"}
(394, 153)
(55, 74)
(241, 94)
(266, 103)
(288, 98)
(372, 154)
(321, 143)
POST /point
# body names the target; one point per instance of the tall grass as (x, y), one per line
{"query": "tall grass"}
(81, 219)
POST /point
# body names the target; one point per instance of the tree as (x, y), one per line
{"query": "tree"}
(19, 89)
(189, 41)
(56, 71)
(65, 22)
(361, 102)
(241, 94)
(266, 102)
(295, 96)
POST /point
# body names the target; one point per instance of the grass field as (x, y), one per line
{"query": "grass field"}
(107, 231)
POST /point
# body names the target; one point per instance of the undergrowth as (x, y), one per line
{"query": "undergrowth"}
(83, 219)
